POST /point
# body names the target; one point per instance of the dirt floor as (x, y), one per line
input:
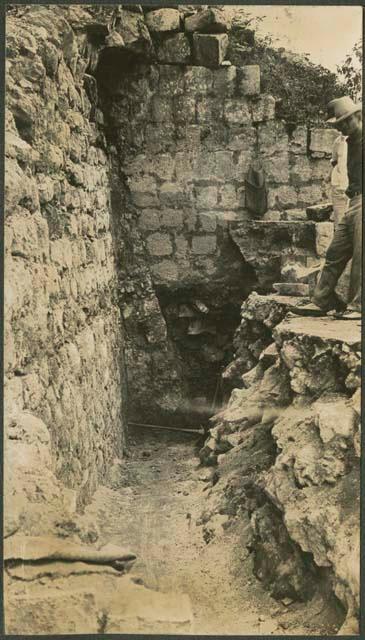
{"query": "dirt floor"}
(154, 508)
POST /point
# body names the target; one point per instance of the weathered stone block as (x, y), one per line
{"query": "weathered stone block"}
(198, 80)
(149, 220)
(205, 166)
(225, 167)
(206, 197)
(301, 171)
(299, 140)
(241, 138)
(294, 214)
(291, 288)
(320, 212)
(263, 108)
(211, 20)
(159, 244)
(143, 192)
(321, 170)
(132, 28)
(171, 80)
(165, 271)
(228, 197)
(277, 168)
(161, 109)
(162, 166)
(174, 50)
(172, 218)
(321, 140)
(284, 197)
(173, 195)
(309, 194)
(236, 111)
(210, 50)
(160, 139)
(209, 110)
(248, 80)
(208, 222)
(224, 81)
(204, 245)
(163, 20)
(324, 235)
(272, 138)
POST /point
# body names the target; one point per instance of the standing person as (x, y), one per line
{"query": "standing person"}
(339, 179)
(347, 239)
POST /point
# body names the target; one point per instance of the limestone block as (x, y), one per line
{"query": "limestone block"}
(204, 245)
(277, 168)
(172, 195)
(16, 147)
(174, 50)
(45, 188)
(19, 188)
(225, 166)
(236, 111)
(206, 197)
(149, 219)
(291, 288)
(172, 80)
(209, 110)
(224, 81)
(184, 166)
(294, 214)
(228, 197)
(321, 169)
(272, 138)
(210, 20)
(334, 418)
(162, 166)
(248, 80)
(299, 140)
(143, 192)
(241, 138)
(163, 20)
(161, 109)
(132, 28)
(301, 170)
(324, 235)
(184, 109)
(309, 194)
(284, 197)
(159, 244)
(205, 167)
(198, 80)
(263, 109)
(210, 50)
(172, 218)
(208, 222)
(160, 139)
(321, 140)
(165, 271)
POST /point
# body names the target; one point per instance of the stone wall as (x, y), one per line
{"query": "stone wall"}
(63, 334)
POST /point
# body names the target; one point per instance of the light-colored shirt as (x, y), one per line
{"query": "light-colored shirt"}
(339, 178)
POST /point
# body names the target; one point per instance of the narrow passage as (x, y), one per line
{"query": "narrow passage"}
(154, 507)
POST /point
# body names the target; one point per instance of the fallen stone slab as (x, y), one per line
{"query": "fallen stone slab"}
(53, 570)
(319, 212)
(329, 329)
(163, 20)
(174, 50)
(35, 548)
(209, 21)
(210, 50)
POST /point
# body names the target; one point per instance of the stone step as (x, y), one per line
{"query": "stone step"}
(291, 288)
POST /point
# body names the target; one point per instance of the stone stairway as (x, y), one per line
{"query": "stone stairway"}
(287, 249)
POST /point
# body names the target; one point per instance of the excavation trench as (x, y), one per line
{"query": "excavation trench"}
(156, 501)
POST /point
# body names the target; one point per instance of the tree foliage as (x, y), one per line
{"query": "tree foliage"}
(351, 71)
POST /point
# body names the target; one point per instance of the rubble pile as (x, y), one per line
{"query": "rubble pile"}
(288, 446)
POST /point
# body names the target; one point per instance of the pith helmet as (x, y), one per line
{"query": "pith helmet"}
(340, 109)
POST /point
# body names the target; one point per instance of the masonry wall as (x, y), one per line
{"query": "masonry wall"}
(63, 333)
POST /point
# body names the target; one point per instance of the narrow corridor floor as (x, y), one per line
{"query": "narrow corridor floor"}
(154, 507)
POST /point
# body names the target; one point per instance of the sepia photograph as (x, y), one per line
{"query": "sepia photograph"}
(182, 319)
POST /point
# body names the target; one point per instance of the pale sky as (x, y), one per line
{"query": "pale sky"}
(327, 33)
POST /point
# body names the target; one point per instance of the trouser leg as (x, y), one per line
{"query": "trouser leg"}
(340, 204)
(338, 254)
(355, 221)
